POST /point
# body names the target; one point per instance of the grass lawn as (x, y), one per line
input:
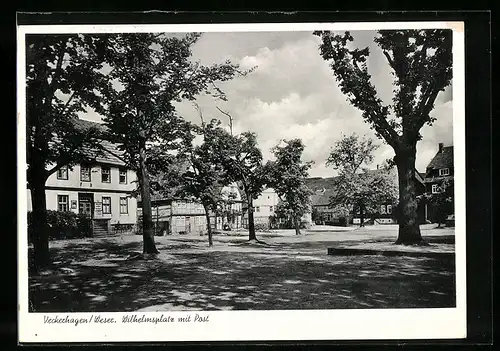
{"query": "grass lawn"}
(289, 272)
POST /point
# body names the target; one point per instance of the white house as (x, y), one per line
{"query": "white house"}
(265, 206)
(100, 189)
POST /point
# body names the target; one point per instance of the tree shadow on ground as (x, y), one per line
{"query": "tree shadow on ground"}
(99, 276)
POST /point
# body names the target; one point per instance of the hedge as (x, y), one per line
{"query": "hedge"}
(64, 225)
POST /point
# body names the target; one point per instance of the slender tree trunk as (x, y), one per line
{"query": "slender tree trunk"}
(296, 224)
(361, 216)
(209, 227)
(409, 229)
(251, 223)
(39, 225)
(149, 246)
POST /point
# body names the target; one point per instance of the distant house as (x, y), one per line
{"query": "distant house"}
(187, 216)
(439, 169)
(230, 213)
(100, 188)
(264, 208)
(324, 188)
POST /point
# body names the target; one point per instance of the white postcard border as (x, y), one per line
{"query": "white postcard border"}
(367, 324)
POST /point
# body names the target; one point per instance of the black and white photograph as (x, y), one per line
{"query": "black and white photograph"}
(214, 181)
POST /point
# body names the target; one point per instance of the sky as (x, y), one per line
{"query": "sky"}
(292, 93)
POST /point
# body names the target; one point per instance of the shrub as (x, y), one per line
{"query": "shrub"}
(64, 225)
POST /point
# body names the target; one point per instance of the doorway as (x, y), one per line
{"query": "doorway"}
(85, 204)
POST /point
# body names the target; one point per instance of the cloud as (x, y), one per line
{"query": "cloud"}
(292, 93)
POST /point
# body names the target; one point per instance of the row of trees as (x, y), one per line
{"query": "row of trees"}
(133, 81)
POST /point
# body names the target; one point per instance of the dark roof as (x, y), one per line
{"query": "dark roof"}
(83, 124)
(318, 183)
(323, 189)
(111, 153)
(443, 159)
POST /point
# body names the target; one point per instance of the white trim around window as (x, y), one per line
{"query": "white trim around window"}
(106, 205)
(123, 205)
(85, 173)
(63, 203)
(62, 173)
(444, 172)
(105, 174)
(122, 176)
(435, 188)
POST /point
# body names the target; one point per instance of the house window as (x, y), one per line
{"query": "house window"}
(123, 205)
(62, 173)
(105, 174)
(257, 209)
(84, 173)
(123, 176)
(382, 209)
(62, 203)
(435, 188)
(444, 171)
(271, 209)
(106, 205)
(389, 209)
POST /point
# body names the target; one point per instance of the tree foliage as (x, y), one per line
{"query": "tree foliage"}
(204, 177)
(63, 73)
(151, 72)
(421, 64)
(242, 161)
(288, 174)
(350, 153)
(363, 193)
(359, 190)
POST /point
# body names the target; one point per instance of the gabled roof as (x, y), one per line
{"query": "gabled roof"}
(443, 159)
(323, 189)
(111, 153)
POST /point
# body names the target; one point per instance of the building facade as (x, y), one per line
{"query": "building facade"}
(439, 170)
(324, 188)
(183, 216)
(176, 216)
(263, 207)
(230, 213)
(101, 189)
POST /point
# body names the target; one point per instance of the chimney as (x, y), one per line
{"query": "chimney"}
(440, 147)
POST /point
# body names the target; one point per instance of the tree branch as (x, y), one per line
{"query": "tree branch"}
(391, 62)
(230, 119)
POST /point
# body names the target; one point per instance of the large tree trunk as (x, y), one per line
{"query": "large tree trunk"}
(39, 225)
(149, 246)
(296, 224)
(409, 229)
(251, 223)
(209, 227)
